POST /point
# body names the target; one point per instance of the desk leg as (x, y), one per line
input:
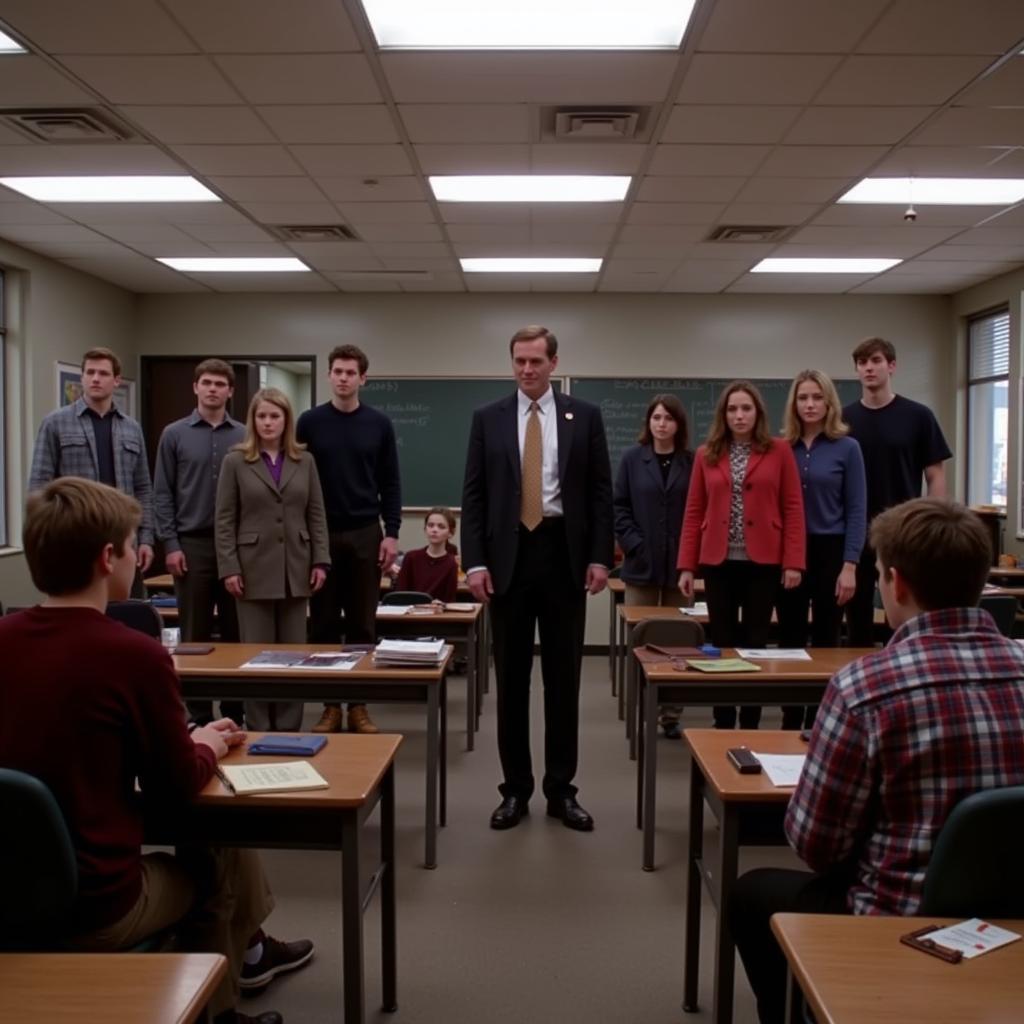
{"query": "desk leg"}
(694, 890)
(620, 668)
(650, 763)
(631, 669)
(388, 925)
(611, 638)
(472, 651)
(725, 950)
(641, 740)
(444, 751)
(433, 744)
(352, 920)
(485, 648)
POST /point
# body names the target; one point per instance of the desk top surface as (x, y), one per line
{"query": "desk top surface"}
(854, 969)
(708, 747)
(227, 659)
(823, 664)
(131, 988)
(352, 765)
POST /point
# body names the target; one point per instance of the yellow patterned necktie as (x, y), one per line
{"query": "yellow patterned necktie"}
(532, 508)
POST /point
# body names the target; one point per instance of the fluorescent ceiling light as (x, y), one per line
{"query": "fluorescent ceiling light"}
(530, 188)
(9, 45)
(823, 265)
(113, 189)
(234, 264)
(937, 191)
(529, 24)
(531, 265)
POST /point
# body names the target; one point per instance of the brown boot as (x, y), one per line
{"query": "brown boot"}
(359, 720)
(331, 720)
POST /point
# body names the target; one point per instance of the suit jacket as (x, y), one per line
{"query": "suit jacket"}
(649, 515)
(773, 511)
(491, 491)
(269, 534)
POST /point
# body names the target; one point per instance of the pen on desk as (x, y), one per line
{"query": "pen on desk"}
(227, 782)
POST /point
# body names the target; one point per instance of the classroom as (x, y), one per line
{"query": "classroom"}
(316, 142)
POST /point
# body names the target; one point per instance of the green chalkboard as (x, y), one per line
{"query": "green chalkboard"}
(623, 402)
(432, 416)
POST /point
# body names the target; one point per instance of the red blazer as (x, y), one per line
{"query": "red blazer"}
(773, 511)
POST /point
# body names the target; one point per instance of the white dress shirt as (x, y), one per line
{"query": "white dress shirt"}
(551, 489)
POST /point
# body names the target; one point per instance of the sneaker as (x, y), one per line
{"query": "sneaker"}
(359, 720)
(278, 957)
(331, 720)
(671, 730)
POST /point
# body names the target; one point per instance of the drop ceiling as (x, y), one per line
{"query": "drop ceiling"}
(763, 117)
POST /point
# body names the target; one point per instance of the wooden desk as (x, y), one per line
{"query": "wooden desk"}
(360, 770)
(165, 581)
(778, 682)
(854, 969)
(730, 796)
(219, 675)
(130, 988)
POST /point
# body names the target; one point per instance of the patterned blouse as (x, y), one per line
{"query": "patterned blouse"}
(739, 455)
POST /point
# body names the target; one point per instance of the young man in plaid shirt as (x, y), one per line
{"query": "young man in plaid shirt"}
(902, 736)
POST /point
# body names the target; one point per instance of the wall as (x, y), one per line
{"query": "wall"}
(54, 313)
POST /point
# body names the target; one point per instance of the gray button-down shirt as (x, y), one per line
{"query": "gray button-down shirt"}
(66, 446)
(187, 467)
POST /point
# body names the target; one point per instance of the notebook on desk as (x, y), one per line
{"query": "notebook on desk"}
(278, 777)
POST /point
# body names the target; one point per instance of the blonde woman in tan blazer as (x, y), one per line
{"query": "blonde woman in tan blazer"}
(271, 535)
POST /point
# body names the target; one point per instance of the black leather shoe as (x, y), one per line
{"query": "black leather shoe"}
(509, 812)
(571, 814)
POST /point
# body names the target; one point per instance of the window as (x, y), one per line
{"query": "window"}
(988, 355)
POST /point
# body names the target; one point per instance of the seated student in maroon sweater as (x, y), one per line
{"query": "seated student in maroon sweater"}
(121, 719)
(434, 569)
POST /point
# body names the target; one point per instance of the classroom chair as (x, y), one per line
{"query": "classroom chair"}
(140, 615)
(1002, 608)
(974, 869)
(406, 597)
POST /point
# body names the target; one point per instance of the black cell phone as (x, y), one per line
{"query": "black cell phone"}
(743, 760)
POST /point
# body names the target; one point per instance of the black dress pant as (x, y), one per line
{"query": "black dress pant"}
(544, 595)
(732, 587)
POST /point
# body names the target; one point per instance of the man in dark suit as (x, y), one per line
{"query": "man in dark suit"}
(536, 539)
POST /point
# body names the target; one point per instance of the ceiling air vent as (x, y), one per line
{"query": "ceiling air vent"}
(90, 125)
(595, 124)
(749, 233)
(315, 233)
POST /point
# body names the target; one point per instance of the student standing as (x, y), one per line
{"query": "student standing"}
(901, 442)
(357, 457)
(743, 529)
(649, 500)
(831, 471)
(188, 461)
(434, 569)
(272, 550)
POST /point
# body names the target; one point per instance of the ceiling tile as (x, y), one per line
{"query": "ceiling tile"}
(249, 250)
(562, 282)
(329, 161)
(143, 213)
(36, 84)
(1003, 88)
(155, 79)
(635, 275)
(905, 80)
(221, 125)
(239, 160)
(438, 282)
(583, 158)
(694, 189)
(305, 78)
(387, 213)
(788, 26)
(481, 159)
(341, 123)
(902, 240)
(188, 247)
(950, 161)
(262, 283)
(566, 76)
(587, 250)
(793, 190)
(991, 235)
(496, 283)
(651, 250)
(294, 213)
(855, 126)
(414, 255)
(133, 233)
(588, 234)
(811, 284)
(337, 255)
(51, 233)
(293, 189)
(709, 276)
(890, 215)
(769, 213)
(228, 233)
(675, 213)
(667, 233)
(888, 285)
(708, 160)
(485, 213)
(26, 212)
(266, 26)
(950, 268)
(1013, 253)
(821, 161)
(72, 250)
(496, 234)
(975, 126)
(754, 78)
(1011, 218)
(400, 232)
(731, 251)
(741, 124)
(433, 264)
(467, 122)
(947, 27)
(83, 159)
(136, 275)
(373, 189)
(363, 284)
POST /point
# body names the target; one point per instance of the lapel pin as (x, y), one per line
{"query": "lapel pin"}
(568, 415)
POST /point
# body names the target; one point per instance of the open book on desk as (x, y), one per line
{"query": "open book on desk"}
(335, 661)
(274, 777)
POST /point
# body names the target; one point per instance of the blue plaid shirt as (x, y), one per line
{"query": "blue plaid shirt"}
(66, 446)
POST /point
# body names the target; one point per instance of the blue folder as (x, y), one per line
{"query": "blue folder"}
(307, 746)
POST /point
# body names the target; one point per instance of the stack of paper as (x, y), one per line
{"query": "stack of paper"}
(385, 611)
(336, 661)
(274, 777)
(424, 651)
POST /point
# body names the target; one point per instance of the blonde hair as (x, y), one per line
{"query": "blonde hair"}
(250, 447)
(834, 426)
(719, 434)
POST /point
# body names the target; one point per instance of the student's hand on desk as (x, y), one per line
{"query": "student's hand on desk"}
(686, 584)
(175, 562)
(480, 585)
(145, 556)
(597, 579)
(219, 736)
(317, 577)
(234, 585)
(846, 584)
(790, 579)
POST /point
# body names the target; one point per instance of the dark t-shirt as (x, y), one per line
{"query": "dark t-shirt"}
(103, 428)
(898, 441)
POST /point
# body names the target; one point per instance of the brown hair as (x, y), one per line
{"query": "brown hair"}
(96, 354)
(675, 409)
(719, 434)
(941, 549)
(348, 352)
(446, 513)
(532, 333)
(833, 427)
(215, 368)
(250, 447)
(68, 524)
(869, 346)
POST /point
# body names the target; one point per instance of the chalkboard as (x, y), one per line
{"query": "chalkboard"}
(432, 416)
(623, 402)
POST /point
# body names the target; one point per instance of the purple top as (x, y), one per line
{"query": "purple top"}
(274, 467)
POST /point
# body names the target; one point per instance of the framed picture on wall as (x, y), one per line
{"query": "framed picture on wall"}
(69, 389)
(124, 397)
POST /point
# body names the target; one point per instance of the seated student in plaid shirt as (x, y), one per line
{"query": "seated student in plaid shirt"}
(902, 736)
